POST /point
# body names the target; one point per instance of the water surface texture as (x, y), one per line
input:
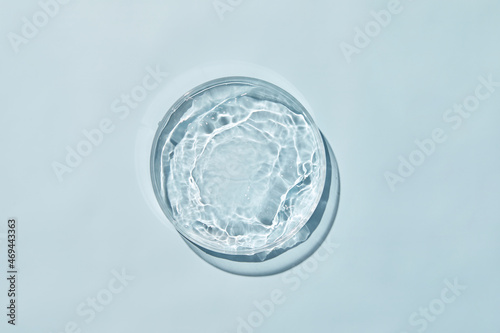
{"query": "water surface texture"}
(242, 171)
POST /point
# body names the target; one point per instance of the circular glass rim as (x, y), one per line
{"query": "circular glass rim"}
(250, 81)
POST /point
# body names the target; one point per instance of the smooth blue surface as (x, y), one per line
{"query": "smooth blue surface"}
(391, 252)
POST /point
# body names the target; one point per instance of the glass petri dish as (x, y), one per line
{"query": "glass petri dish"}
(238, 166)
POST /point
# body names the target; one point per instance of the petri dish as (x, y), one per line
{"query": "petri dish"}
(238, 166)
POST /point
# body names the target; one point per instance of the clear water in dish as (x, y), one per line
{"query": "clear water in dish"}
(242, 172)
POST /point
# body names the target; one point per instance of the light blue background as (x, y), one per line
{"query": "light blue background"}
(395, 249)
